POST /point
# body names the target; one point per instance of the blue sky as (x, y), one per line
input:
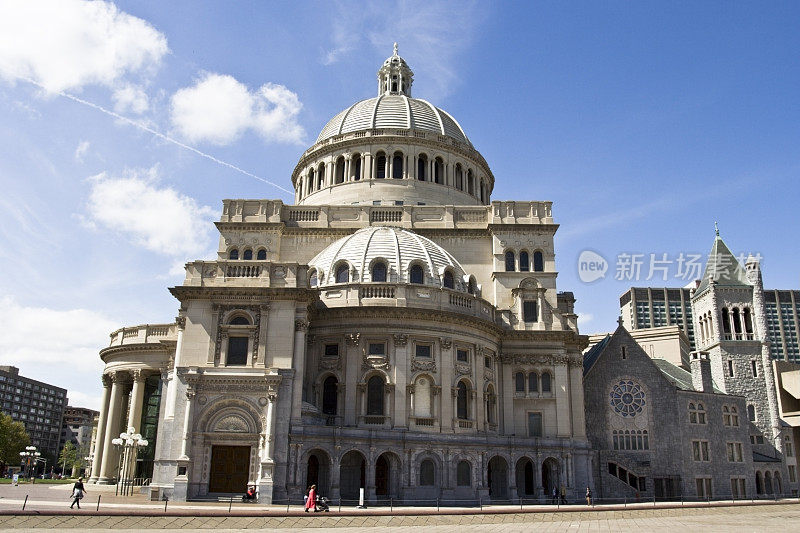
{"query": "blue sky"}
(643, 122)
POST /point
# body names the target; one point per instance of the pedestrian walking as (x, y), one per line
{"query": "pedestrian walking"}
(588, 496)
(78, 490)
(311, 501)
(554, 499)
(563, 495)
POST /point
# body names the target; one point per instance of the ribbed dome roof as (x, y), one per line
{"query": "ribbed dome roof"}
(398, 248)
(395, 111)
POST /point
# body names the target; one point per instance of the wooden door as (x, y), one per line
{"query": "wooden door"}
(230, 466)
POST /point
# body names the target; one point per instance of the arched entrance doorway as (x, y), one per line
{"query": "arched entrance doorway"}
(352, 475)
(318, 472)
(526, 485)
(497, 477)
(550, 477)
(387, 476)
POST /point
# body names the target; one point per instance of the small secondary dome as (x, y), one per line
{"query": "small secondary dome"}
(394, 108)
(398, 250)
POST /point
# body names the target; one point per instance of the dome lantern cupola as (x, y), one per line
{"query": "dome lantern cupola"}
(394, 77)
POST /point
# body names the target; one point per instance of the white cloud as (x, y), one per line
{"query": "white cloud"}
(428, 44)
(81, 150)
(130, 98)
(159, 219)
(219, 109)
(67, 44)
(59, 347)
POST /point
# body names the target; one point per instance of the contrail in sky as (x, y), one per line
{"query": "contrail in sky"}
(152, 131)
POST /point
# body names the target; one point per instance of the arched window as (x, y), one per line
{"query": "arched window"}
(701, 414)
(233, 254)
(463, 474)
(461, 401)
(737, 323)
(692, 413)
(356, 162)
(261, 255)
(321, 175)
(397, 166)
(751, 413)
(339, 176)
(427, 473)
(311, 180)
(422, 164)
(481, 191)
(416, 275)
(538, 261)
(343, 273)
(248, 255)
(511, 265)
(726, 321)
(329, 395)
(533, 382)
(519, 382)
(471, 287)
(546, 382)
(459, 177)
(380, 166)
(375, 396)
(470, 183)
(239, 321)
(379, 271)
(524, 265)
(734, 417)
(449, 282)
(313, 279)
(748, 321)
(438, 171)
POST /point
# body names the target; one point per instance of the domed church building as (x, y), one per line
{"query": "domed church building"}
(394, 330)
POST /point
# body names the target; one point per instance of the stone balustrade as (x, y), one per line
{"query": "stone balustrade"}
(145, 333)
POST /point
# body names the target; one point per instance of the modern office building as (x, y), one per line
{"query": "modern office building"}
(38, 405)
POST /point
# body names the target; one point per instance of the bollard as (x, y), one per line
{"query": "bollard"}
(480, 502)
(165, 504)
(654, 500)
(437, 505)
(391, 505)
(230, 504)
(98, 503)
(287, 505)
(25, 502)
(520, 503)
(625, 502)
(340, 504)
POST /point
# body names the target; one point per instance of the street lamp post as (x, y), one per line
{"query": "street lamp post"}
(30, 457)
(128, 445)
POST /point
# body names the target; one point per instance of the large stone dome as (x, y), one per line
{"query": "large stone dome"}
(395, 111)
(398, 249)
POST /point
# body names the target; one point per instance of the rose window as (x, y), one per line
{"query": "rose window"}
(627, 398)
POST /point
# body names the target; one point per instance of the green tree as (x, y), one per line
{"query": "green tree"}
(13, 439)
(68, 457)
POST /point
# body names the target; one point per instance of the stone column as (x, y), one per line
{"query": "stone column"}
(298, 363)
(99, 442)
(445, 399)
(561, 384)
(137, 397)
(576, 390)
(352, 363)
(508, 398)
(187, 420)
(400, 379)
(108, 465)
(335, 466)
(269, 437)
(172, 390)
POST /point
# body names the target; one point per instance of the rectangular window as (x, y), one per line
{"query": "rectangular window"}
(754, 368)
(738, 487)
(462, 355)
(331, 350)
(237, 351)
(788, 447)
(529, 312)
(734, 452)
(792, 474)
(730, 368)
(700, 450)
(487, 362)
(376, 348)
(703, 487)
(534, 424)
(423, 351)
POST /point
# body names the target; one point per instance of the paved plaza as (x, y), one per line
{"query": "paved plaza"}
(48, 508)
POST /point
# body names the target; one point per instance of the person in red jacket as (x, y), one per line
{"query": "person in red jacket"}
(311, 501)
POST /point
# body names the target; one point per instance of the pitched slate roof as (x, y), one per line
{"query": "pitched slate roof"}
(591, 356)
(678, 376)
(722, 267)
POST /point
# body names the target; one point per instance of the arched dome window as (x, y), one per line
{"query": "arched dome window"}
(524, 264)
(510, 261)
(248, 255)
(313, 279)
(422, 165)
(397, 165)
(471, 287)
(356, 162)
(342, 273)
(379, 272)
(461, 401)
(339, 175)
(380, 166)
(375, 388)
(233, 254)
(262, 255)
(416, 275)
(438, 170)
(459, 177)
(546, 382)
(449, 282)
(311, 180)
(321, 174)
(470, 183)
(538, 261)
(482, 191)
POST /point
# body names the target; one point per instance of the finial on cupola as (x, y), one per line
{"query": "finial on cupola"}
(716, 228)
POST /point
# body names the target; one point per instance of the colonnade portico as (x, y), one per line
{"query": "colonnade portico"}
(118, 386)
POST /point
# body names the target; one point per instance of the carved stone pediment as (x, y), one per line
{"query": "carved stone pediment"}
(462, 369)
(330, 363)
(427, 366)
(232, 424)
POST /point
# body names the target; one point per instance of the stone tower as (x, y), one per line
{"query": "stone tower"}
(730, 324)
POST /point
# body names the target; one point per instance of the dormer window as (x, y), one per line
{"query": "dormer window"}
(416, 275)
(342, 273)
(379, 272)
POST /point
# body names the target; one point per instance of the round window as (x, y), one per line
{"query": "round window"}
(627, 398)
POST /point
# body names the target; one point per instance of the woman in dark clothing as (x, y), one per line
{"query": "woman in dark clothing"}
(78, 491)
